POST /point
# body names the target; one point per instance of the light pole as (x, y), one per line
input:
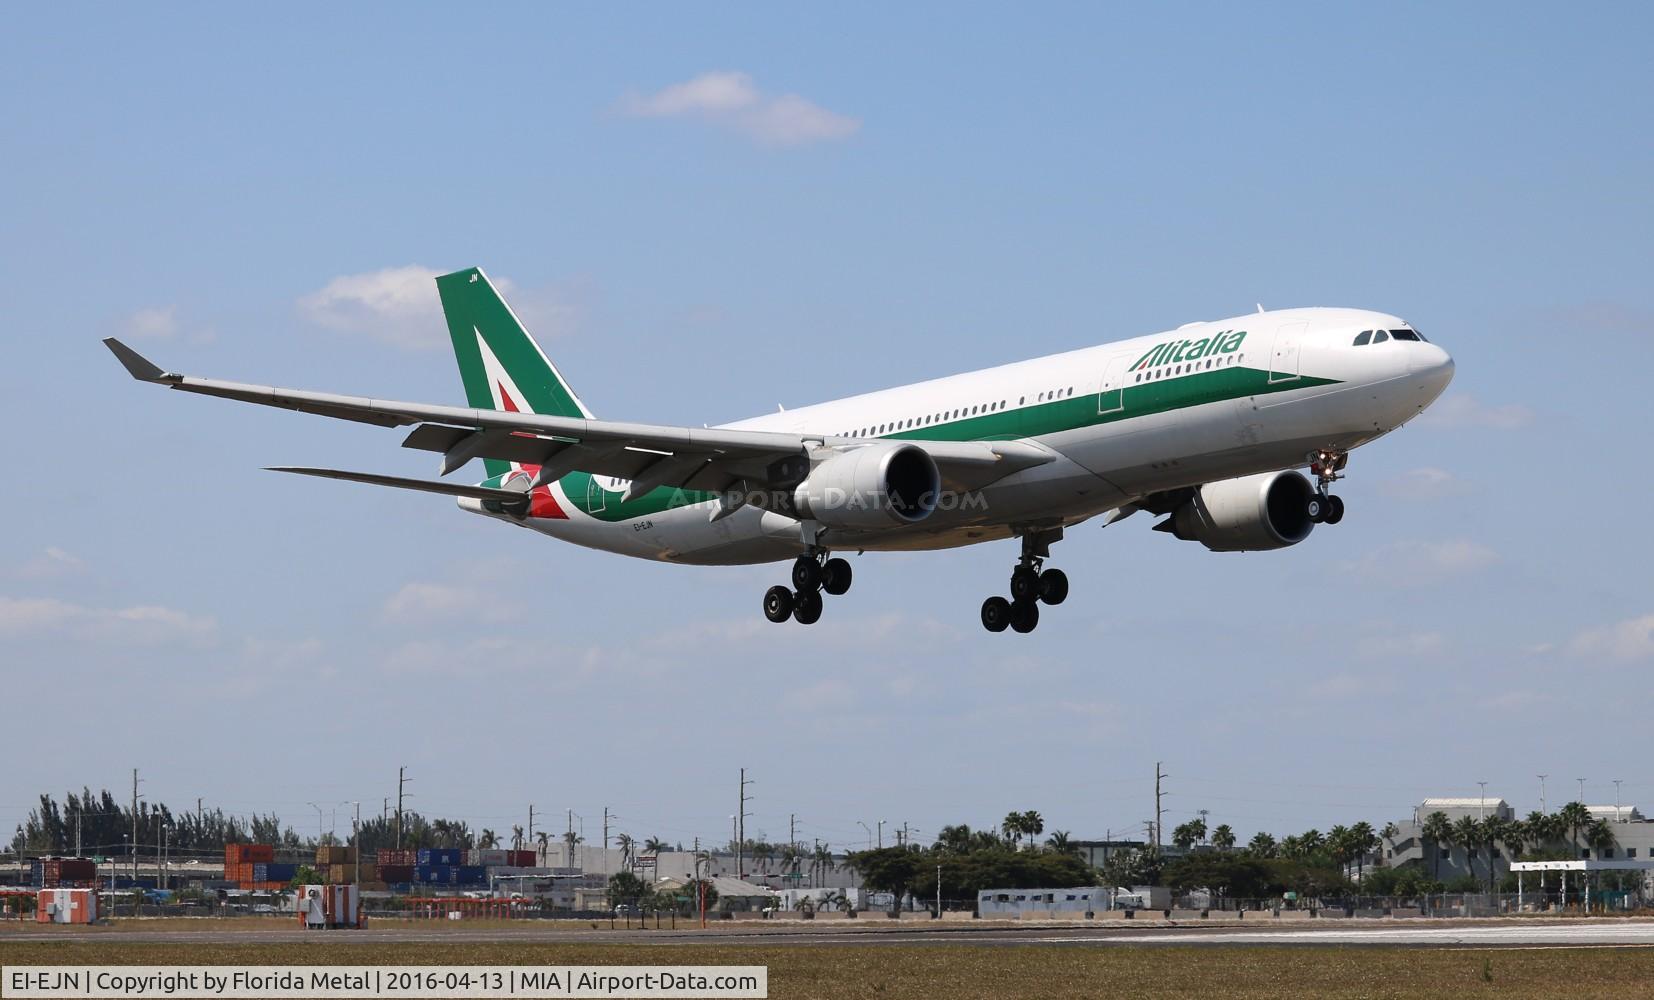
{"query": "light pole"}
(318, 822)
(869, 830)
(1581, 790)
(1542, 778)
(356, 846)
(1617, 816)
(1482, 809)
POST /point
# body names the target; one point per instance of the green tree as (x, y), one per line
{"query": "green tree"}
(655, 845)
(1262, 845)
(1223, 838)
(487, 840)
(1467, 833)
(1574, 817)
(1599, 836)
(626, 889)
(889, 869)
(1125, 869)
(1059, 841)
(1437, 831)
(1186, 835)
(1363, 841)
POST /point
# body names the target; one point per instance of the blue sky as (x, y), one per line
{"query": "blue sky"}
(703, 212)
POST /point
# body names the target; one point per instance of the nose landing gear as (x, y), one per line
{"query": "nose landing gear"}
(1327, 465)
(813, 574)
(1030, 586)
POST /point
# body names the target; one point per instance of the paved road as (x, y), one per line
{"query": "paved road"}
(1447, 933)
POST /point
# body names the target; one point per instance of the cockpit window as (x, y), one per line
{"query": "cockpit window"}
(1404, 335)
(1363, 337)
(1379, 336)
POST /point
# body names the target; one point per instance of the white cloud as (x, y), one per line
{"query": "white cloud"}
(1632, 639)
(422, 602)
(52, 563)
(1462, 410)
(1413, 563)
(396, 305)
(25, 616)
(1425, 483)
(161, 323)
(400, 306)
(156, 322)
(731, 99)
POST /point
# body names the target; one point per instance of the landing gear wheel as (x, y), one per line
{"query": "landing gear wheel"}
(1024, 616)
(778, 604)
(835, 576)
(808, 609)
(996, 614)
(1335, 510)
(1025, 584)
(1053, 586)
(806, 575)
(1317, 509)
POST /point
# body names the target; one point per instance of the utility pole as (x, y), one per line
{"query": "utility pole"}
(1542, 778)
(356, 841)
(741, 827)
(881, 834)
(1581, 790)
(938, 890)
(134, 826)
(77, 835)
(1203, 814)
(401, 782)
(1481, 812)
(569, 839)
(531, 822)
(605, 832)
(199, 815)
(1617, 816)
(1159, 776)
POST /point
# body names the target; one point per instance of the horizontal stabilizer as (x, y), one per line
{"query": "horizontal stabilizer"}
(508, 498)
(138, 366)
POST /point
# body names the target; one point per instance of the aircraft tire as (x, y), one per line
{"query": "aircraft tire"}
(835, 576)
(996, 614)
(778, 604)
(808, 609)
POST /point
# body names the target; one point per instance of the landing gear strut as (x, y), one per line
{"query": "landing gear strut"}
(1327, 465)
(1030, 585)
(813, 574)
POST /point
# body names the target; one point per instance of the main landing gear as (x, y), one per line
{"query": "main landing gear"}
(1326, 465)
(813, 574)
(1030, 586)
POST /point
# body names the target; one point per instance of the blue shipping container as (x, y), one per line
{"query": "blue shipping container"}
(435, 874)
(441, 856)
(470, 875)
(274, 872)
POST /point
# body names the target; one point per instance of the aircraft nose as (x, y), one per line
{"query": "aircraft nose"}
(1432, 366)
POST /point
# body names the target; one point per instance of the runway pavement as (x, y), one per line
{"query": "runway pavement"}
(1518, 932)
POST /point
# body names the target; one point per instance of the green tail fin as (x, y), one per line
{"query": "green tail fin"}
(501, 365)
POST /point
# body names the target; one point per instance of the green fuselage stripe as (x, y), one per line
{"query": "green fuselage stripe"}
(1136, 399)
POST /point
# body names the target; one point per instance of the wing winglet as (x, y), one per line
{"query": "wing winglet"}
(140, 367)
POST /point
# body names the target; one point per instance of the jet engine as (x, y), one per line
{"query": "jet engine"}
(889, 484)
(1250, 514)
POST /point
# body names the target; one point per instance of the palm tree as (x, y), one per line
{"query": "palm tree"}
(1467, 833)
(1438, 830)
(1033, 824)
(762, 852)
(955, 838)
(1262, 845)
(1061, 843)
(1223, 838)
(1292, 846)
(1312, 841)
(1012, 825)
(1574, 817)
(1185, 834)
(1363, 840)
(1341, 847)
(654, 845)
(545, 844)
(517, 838)
(487, 839)
(1600, 836)
(625, 842)
(822, 857)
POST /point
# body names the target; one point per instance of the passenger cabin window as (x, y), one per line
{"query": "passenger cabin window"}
(1363, 338)
(1379, 336)
(1404, 335)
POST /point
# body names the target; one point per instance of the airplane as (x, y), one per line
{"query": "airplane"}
(1205, 426)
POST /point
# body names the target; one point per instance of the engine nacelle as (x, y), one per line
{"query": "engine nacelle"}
(879, 486)
(1250, 514)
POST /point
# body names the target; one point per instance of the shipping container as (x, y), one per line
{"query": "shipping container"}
(441, 856)
(395, 873)
(335, 855)
(346, 874)
(407, 857)
(434, 874)
(248, 853)
(470, 875)
(273, 872)
(67, 906)
(491, 856)
(524, 859)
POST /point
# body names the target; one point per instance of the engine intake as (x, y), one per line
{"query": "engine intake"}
(1250, 514)
(873, 487)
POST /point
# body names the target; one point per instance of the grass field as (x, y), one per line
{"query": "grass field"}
(971, 971)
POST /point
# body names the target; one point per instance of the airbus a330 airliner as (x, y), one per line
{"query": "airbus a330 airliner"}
(1206, 425)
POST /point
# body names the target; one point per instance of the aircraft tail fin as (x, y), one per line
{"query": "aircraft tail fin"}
(499, 362)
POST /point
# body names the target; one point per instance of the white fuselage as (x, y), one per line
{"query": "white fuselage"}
(1317, 389)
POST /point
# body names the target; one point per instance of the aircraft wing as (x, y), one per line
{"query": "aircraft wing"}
(650, 455)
